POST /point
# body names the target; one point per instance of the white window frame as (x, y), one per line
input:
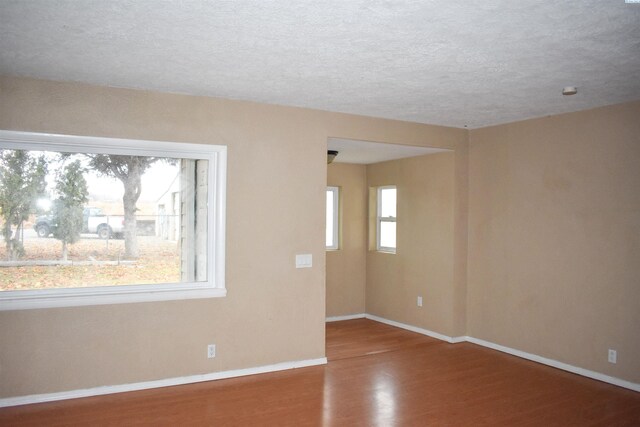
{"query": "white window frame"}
(67, 297)
(380, 219)
(336, 218)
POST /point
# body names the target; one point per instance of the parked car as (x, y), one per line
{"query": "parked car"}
(93, 221)
(106, 226)
(44, 225)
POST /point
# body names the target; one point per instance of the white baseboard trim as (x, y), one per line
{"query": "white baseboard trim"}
(346, 317)
(97, 391)
(432, 334)
(533, 357)
(556, 364)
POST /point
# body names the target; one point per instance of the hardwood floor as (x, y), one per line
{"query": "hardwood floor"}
(377, 375)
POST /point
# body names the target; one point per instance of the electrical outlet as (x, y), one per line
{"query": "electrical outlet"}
(211, 351)
(613, 356)
(419, 302)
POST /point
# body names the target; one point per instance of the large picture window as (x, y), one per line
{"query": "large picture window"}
(386, 219)
(96, 220)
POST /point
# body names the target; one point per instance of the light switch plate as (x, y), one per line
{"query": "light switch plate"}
(304, 261)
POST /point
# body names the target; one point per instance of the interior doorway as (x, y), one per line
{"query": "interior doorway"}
(361, 278)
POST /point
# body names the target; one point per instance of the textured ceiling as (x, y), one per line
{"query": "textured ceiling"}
(457, 63)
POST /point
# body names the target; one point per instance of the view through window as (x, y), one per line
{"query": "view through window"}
(77, 220)
(332, 226)
(386, 219)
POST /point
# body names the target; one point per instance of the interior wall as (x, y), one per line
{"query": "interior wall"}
(423, 264)
(554, 237)
(552, 252)
(277, 178)
(346, 267)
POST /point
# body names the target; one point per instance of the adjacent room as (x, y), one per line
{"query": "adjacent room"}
(319, 213)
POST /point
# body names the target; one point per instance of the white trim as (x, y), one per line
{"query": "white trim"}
(380, 219)
(529, 356)
(345, 317)
(94, 144)
(97, 391)
(416, 329)
(168, 382)
(556, 364)
(456, 340)
(105, 296)
(213, 287)
(217, 198)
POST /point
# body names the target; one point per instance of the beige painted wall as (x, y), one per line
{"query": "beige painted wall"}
(346, 267)
(554, 237)
(273, 312)
(552, 252)
(423, 263)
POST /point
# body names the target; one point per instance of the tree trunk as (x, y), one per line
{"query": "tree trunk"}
(6, 232)
(10, 239)
(65, 251)
(132, 188)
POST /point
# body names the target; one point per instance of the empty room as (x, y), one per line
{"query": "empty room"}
(340, 213)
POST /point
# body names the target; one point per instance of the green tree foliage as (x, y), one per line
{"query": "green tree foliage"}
(129, 170)
(22, 181)
(71, 187)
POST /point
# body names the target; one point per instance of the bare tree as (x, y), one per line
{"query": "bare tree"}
(129, 170)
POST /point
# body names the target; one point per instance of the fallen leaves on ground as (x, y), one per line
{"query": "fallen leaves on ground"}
(159, 262)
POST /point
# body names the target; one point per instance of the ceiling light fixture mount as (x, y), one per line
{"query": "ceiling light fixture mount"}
(331, 154)
(569, 90)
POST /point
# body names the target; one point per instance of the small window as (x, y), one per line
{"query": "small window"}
(332, 229)
(386, 219)
(89, 222)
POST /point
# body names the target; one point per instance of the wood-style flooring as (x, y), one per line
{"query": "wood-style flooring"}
(377, 375)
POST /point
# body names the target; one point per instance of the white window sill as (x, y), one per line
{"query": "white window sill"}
(24, 300)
